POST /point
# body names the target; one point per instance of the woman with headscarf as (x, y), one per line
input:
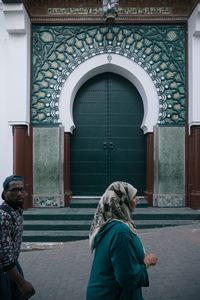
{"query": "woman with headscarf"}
(119, 268)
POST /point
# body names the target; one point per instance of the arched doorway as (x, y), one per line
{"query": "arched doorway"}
(108, 143)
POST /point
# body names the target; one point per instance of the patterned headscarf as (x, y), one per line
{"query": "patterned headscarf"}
(113, 205)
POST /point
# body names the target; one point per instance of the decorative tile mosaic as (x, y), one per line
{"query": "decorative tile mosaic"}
(172, 200)
(158, 49)
(48, 201)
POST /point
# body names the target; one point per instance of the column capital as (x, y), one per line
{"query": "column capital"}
(197, 23)
(16, 18)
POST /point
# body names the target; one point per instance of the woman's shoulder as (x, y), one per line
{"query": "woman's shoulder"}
(121, 230)
(120, 227)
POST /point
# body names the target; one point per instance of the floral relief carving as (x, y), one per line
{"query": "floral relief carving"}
(158, 49)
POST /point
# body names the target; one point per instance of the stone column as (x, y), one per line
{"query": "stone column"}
(48, 166)
(193, 170)
(169, 166)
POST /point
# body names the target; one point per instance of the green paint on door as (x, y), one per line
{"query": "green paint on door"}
(108, 143)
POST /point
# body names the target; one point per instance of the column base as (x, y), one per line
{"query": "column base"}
(171, 200)
(48, 200)
(194, 200)
(149, 197)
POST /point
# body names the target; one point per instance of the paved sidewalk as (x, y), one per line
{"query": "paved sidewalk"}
(60, 272)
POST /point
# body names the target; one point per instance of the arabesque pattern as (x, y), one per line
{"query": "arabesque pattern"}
(158, 49)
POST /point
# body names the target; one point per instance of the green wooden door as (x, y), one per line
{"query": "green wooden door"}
(107, 144)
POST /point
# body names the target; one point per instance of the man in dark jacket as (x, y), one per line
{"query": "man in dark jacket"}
(13, 286)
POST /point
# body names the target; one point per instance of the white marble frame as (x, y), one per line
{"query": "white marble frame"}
(119, 65)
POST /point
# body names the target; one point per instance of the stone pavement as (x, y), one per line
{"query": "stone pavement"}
(60, 271)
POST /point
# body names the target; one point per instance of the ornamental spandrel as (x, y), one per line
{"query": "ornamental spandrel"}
(158, 49)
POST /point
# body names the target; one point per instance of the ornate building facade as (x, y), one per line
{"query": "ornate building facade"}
(97, 91)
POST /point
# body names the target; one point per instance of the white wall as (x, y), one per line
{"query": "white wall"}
(194, 66)
(6, 153)
(14, 79)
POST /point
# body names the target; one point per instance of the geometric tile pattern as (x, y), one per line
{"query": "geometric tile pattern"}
(158, 49)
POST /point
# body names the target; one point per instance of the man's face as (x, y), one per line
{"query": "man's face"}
(15, 194)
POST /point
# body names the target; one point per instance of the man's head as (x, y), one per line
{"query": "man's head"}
(13, 191)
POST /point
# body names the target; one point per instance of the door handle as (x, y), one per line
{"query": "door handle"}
(111, 145)
(107, 144)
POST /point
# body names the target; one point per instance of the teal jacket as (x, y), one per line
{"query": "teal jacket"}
(118, 271)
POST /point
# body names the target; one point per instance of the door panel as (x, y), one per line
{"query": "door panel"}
(88, 158)
(127, 159)
(107, 144)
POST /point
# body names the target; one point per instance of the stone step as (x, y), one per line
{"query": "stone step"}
(57, 225)
(54, 236)
(149, 213)
(85, 224)
(73, 235)
(92, 202)
(70, 224)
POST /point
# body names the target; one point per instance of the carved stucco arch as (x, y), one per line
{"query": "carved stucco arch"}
(116, 64)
